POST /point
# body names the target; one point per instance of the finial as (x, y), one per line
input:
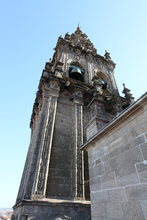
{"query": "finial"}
(78, 27)
(107, 55)
(124, 85)
(128, 95)
(78, 30)
(67, 36)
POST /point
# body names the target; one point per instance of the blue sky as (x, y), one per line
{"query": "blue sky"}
(29, 31)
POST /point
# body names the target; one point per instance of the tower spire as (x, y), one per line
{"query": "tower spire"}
(79, 27)
(77, 89)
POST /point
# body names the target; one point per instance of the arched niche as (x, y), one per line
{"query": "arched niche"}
(76, 71)
(102, 76)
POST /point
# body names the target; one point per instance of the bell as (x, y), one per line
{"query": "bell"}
(76, 70)
(77, 74)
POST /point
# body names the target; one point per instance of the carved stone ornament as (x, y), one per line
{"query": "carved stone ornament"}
(65, 47)
(107, 55)
(78, 94)
(90, 57)
(78, 52)
(77, 58)
(128, 95)
(58, 74)
(80, 39)
(60, 217)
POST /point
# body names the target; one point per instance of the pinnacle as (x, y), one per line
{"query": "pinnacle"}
(78, 30)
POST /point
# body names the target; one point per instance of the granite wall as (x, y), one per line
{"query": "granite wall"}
(118, 166)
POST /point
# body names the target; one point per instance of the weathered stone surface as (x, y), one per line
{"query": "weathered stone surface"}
(59, 179)
(108, 180)
(117, 194)
(123, 193)
(111, 164)
(99, 210)
(138, 140)
(144, 150)
(127, 179)
(114, 210)
(142, 171)
(143, 204)
(132, 211)
(100, 196)
(123, 165)
(137, 192)
(99, 169)
(43, 210)
(95, 185)
(118, 211)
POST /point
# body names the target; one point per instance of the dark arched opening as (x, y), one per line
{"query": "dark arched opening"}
(76, 72)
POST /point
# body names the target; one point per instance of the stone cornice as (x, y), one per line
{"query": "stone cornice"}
(53, 202)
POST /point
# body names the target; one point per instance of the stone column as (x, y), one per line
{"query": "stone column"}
(78, 141)
(40, 183)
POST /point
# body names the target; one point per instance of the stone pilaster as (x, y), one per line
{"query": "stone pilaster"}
(78, 141)
(51, 94)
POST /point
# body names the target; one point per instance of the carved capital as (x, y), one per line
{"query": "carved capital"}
(51, 89)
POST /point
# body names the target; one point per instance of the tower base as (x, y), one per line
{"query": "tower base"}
(52, 209)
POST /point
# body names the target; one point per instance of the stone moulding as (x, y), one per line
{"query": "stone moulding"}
(52, 202)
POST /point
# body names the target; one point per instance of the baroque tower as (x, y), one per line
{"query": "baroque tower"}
(77, 90)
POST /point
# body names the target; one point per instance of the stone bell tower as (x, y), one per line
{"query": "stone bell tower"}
(77, 89)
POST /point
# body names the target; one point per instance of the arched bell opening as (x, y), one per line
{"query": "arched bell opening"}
(102, 79)
(103, 83)
(76, 72)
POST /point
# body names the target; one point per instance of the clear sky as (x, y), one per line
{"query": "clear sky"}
(29, 30)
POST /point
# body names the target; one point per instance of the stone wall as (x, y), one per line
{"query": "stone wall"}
(59, 178)
(118, 166)
(52, 210)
